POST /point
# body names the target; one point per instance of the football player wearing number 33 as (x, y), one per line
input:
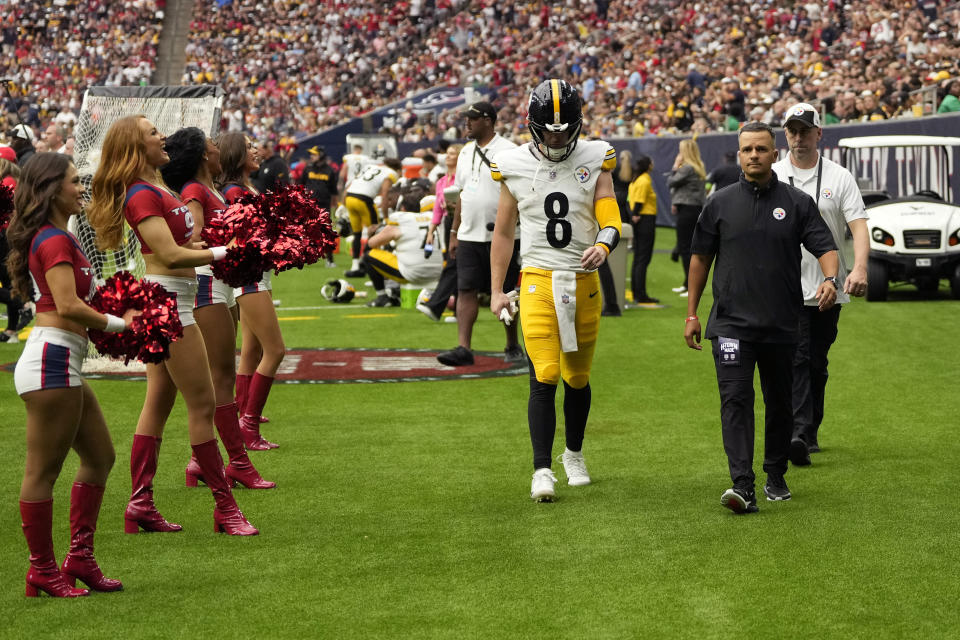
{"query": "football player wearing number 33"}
(561, 189)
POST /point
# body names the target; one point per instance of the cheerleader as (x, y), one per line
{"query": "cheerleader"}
(128, 185)
(62, 411)
(261, 347)
(194, 160)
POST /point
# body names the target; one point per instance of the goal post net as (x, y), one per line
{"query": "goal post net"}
(169, 108)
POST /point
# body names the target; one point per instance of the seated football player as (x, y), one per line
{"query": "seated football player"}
(411, 261)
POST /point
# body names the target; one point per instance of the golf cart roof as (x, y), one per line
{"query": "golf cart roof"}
(866, 142)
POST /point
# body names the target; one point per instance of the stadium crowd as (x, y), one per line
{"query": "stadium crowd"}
(54, 49)
(643, 67)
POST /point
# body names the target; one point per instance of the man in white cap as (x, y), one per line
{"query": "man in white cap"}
(841, 206)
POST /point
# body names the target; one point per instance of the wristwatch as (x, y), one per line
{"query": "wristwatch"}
(832, 280)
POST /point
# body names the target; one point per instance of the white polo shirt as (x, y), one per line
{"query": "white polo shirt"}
(839, 202)
(479, 193)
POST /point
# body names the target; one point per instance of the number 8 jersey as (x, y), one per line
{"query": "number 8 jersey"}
(555, 201)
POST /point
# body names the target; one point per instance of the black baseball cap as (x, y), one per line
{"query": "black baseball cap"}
(481, 109)
(804, 114)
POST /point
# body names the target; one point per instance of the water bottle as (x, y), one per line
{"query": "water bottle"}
(427, 251)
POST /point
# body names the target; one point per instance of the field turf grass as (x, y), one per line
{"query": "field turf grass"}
(403, 509)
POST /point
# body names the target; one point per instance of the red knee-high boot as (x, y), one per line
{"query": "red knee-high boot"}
(43, 575)
(227, 517)
(141, 512)
(85, 500)
(243, 386)
(250, 422)
(240, 469)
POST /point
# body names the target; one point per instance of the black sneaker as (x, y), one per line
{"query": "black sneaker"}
(799, 452)
(740, 500)
(776, 488)
(459, 357)
(355, 273)
(26, 315)
(514, 354)
(612, 311)
(647, 300)
(384, 300)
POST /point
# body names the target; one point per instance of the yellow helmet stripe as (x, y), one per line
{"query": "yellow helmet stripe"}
(555, 90)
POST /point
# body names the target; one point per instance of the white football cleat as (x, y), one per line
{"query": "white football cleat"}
(541, 488)
(575, 467)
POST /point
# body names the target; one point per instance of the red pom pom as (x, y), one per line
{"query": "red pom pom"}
(6, 206)
(150, 334)
(275, 230)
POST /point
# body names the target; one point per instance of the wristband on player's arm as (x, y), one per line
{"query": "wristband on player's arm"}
(114, 324)
(607, 213)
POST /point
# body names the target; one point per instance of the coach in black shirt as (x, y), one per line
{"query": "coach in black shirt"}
(754, 229)
(320, 179)
(273, 173)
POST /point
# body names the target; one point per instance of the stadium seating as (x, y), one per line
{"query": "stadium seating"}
(643, 66)
(53, 50)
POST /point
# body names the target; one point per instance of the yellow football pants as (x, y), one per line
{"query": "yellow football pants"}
(541, 332)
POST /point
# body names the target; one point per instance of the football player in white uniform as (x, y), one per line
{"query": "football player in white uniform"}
(562, 191)
(374, 180)
(353, 164)
(411, 262)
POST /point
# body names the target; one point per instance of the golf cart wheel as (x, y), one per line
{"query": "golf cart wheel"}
(955, 283)
(877, 283)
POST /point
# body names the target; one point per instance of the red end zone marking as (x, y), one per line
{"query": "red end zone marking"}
(340, 366)
(386, 365)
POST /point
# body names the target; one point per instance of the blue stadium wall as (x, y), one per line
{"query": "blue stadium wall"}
(663, 149)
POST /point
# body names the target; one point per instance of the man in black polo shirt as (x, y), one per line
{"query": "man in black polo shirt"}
(320, 179)
(755, 229)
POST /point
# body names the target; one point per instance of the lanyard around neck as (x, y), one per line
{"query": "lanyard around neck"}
(819, 176)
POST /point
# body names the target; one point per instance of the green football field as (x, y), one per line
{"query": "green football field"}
(403, 509)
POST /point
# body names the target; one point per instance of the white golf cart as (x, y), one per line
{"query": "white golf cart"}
(915, 236)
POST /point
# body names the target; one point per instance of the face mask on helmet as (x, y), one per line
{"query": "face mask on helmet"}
(554, 108)
(338, 291)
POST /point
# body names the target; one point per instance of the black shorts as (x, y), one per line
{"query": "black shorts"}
(473, 267)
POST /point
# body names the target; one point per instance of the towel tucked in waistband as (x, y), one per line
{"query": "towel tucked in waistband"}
(565, 302)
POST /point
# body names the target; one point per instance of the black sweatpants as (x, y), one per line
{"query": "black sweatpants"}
(644, 233)
(610, 300)
(687, 215)
(775, 364)
(447, 285)
(818, 330)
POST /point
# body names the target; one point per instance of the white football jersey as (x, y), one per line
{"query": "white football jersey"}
(555, 201)
(479, 194)
(410, 257)
(367, 183)
(355, 164)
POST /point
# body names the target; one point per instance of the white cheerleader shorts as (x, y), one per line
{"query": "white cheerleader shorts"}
(52, 359)
(183, 289)
(263, 285)
(212, 291)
